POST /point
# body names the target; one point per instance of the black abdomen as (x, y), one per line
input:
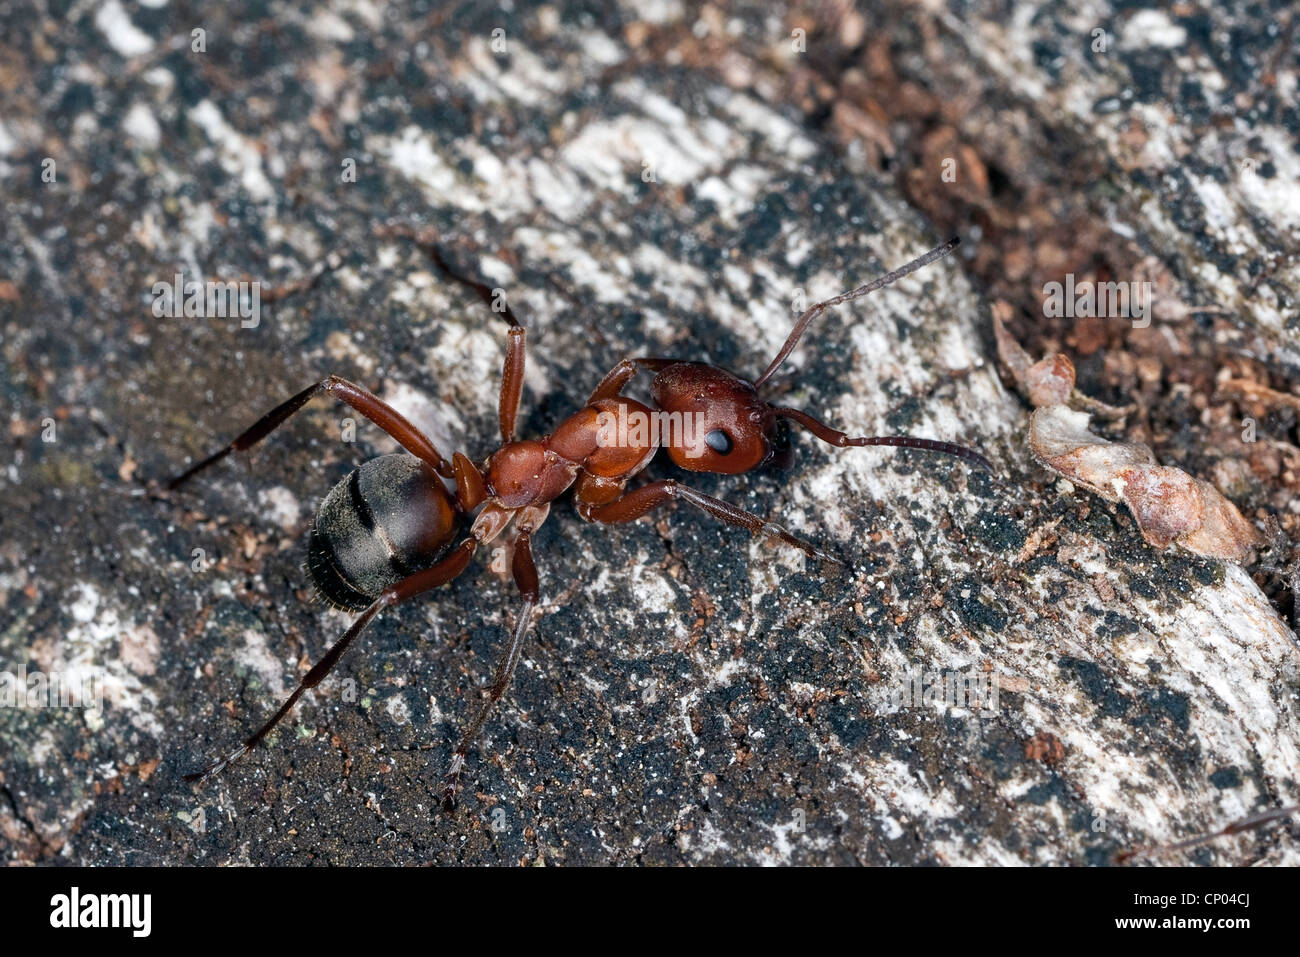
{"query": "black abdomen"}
(390, 518)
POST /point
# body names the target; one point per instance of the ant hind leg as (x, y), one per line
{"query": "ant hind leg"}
(362, 400)
(439, 574)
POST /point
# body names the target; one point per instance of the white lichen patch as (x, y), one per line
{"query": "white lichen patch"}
(238, 154)
(681, 283)
(8, 143)
(783, 135)
(734, 195)
(257, 658)
(123, 36)
(280, 506)
(142, 126)
(527, 80)
(413, 155)
(564, 249)
(90, 655)
(1151, 28)
(139, 649)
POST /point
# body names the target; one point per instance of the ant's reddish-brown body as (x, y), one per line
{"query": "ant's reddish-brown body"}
(385, 533)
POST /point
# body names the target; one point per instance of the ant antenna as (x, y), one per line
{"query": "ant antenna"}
(799, 327)
(843, 441)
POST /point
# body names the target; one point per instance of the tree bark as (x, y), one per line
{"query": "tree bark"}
(689, 695)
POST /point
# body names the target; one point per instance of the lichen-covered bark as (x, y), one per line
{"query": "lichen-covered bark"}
(689, 695)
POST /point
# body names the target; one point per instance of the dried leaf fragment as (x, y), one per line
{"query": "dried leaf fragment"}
(1170, 506)
(1059, 437)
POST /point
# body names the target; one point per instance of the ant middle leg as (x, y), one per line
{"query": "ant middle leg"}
(471, 490)
(362, 400)
(632, 505)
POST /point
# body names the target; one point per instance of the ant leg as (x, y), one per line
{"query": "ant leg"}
(427, 239)
(525, 575)
(1236, 827)
(842, 440)
(621, 374)
(439, 574)
(470, 488)
(633, 505)
(366, 403)
(814, 311)
(512, 381)
(505, 671)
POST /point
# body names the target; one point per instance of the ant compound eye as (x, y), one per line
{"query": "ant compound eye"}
(719, 441)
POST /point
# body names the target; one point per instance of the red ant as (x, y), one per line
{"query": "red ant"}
(384, 534)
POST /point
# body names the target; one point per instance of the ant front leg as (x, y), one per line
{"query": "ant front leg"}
(632, 505)
(525, 575)
(621, 374)
(363, 401)
(512, 378)
(512, 381)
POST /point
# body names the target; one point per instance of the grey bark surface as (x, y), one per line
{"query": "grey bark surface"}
(688, 695)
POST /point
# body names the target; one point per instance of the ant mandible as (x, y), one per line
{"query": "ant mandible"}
(384, 534)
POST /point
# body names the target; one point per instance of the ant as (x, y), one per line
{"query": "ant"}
(384, 534)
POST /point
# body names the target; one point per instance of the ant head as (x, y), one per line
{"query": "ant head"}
(725, 427)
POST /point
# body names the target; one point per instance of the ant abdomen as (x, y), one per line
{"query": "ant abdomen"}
(389, 518)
